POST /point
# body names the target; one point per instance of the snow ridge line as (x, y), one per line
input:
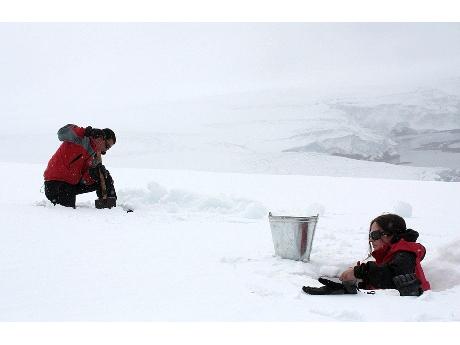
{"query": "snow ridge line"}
(159, 198)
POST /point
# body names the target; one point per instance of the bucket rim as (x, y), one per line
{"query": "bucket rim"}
(308, 219)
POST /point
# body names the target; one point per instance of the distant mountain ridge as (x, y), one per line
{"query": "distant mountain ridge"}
(377, 128)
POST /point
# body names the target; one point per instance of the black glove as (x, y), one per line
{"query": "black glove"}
(331, 288)
(408, 285)
(93, 132)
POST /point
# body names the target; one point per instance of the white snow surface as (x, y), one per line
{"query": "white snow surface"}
(217, 125)
(198, 247)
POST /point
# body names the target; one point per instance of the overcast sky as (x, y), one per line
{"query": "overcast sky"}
(65, 62)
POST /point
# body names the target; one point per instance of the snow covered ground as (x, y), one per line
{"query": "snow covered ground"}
(198, 248)
(218, 124)
(202, 179)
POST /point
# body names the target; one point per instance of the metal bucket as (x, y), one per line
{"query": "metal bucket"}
(293, 236)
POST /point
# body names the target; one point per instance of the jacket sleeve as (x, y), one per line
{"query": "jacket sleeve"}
(381, 276)
(71, 133)
(91, 168)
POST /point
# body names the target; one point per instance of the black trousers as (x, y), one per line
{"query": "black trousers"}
(65, 194)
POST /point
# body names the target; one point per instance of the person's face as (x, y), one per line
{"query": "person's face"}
(107, 145)
(384, 239)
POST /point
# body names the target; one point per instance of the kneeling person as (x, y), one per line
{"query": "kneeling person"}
(76, 166)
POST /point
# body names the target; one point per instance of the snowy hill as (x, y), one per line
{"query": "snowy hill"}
(286, 131)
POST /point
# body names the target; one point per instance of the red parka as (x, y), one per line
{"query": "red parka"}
(74, 157)
(385, 255)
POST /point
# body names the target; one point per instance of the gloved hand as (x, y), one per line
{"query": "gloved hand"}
(331, 288)
(93, 132)
(408, 285)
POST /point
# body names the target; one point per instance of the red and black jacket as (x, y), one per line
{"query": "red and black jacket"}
(73, 159)
(398, 258)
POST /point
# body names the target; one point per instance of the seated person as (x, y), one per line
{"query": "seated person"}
(397, 262)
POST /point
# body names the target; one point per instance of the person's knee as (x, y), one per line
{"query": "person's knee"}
(67, 201)
(51, 191)
(59, 193)
(66, 198)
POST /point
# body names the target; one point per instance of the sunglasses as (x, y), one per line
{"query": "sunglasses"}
(377, 235)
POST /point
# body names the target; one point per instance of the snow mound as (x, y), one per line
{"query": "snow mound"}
(330, 271)
(316, 208)
(179, 201)
(451, 252)
(443, 272)
(404, 209)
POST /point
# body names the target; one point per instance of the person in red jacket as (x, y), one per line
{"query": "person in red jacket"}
(397, 262)
(74, 168)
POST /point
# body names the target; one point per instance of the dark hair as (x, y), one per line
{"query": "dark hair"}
(395, 225)
(391, 223)
(109, 134)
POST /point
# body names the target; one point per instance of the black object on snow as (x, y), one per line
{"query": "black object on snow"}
(331, 288)
(408, 285)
